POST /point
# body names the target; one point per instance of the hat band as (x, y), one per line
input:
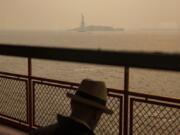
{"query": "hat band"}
(87, 96)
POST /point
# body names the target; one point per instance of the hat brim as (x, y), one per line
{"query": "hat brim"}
(89, 102)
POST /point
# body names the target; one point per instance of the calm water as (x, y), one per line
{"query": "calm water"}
(148, 81)
(130, 40)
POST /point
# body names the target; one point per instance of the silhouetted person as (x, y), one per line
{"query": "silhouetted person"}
(87, 106)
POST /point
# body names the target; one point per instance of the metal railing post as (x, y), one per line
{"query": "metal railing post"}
(120, 116)
(126, 100)
(30, 113)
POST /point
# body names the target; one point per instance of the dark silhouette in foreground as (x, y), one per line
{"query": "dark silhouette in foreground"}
(87, 106)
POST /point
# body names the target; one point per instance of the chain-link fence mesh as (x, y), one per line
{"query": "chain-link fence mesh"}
(148, 118)
(109, 124)
(51, 100)
(13, 98)
(155, 119)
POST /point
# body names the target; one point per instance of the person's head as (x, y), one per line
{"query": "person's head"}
(89, 102)
(86, 113)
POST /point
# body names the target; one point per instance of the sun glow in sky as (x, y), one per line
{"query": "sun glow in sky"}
(63, 14)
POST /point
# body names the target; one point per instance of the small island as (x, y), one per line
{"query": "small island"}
(84, 28)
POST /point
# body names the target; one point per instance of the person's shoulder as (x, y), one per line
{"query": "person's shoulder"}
(69, 126)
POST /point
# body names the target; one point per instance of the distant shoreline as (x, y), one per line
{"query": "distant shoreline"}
(96, 28)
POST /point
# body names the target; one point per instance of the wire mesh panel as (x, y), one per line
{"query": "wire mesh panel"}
(154, 119)
(13, 98)
(109, 124)
(50, 100)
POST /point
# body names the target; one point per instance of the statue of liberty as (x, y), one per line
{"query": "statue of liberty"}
(82, 25)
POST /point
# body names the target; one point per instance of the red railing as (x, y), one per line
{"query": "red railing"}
(130, 108)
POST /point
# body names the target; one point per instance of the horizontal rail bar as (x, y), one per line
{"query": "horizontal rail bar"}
(55, 85)
(12, 118)
(114, 95)
(156, 103)
(163, 61)
(115, 91)
(154, 97)
(15, 124)
(55, 81)
(12, 78)
(13, 74)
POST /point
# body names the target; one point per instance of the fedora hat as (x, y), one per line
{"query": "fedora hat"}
(92, 93)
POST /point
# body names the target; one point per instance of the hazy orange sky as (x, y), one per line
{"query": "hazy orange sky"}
(63, 14)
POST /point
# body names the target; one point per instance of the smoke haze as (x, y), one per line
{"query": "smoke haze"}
(63, 14)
